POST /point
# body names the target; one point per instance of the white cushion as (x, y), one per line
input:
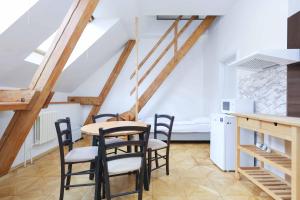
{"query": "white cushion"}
(82, 154)
(124, 165)
(156, 144)
(113, 140)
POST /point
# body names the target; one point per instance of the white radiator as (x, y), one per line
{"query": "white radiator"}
(44, 127)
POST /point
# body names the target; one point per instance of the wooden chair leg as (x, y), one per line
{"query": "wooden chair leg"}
(137, 180)
(92, 167)
(149, 164)
(141, 183)
(62, 185)
(156, 159)
(107, 186)
(167, 163)
(97, 182)
(69, 176)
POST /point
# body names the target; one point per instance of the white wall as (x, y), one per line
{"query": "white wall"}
(249, 26)
(73, 111)
(181, 95)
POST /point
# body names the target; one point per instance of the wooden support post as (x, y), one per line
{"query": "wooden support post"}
(238, 152)
(137, 68)
(176, 39)
(111, 80)
(295, 163)
(45, 79)
(189, 43)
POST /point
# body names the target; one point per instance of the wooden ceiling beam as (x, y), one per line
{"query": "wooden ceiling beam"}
(84, 100)
(111, 80)
(44, 79)
(22, 95)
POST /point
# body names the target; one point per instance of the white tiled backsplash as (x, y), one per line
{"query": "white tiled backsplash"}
(268, 88)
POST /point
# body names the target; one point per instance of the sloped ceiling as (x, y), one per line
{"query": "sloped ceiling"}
(35, 26)
(28, 32)
(95, 57)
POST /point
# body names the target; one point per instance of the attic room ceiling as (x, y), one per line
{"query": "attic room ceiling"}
(27, 31)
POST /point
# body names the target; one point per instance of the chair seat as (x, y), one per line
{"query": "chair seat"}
(113, 140)
(124, 165)
(81, 154)
(156, 144)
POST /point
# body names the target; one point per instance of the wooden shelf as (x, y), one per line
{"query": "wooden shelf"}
(4, 106)
(275, 159)
(274, 186)
(285, 128)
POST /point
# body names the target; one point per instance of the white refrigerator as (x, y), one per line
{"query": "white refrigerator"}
(223, 142)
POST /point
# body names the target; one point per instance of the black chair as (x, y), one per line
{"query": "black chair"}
(123, 163)
(163, 125)
(73, 156)
(105, 117)
(95, 142)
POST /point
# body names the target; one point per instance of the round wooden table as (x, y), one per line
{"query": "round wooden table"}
(93, 129)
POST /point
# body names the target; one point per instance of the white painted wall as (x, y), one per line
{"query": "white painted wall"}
(249, 26)
(73, 111)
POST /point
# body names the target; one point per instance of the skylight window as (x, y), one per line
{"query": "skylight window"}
(12, 10)
(89, 36)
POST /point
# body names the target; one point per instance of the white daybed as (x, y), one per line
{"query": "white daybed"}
(189, 130)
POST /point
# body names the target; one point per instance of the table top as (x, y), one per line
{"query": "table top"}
(93, 129)
(291, 121)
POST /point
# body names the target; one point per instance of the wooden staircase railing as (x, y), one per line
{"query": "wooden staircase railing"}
(163, 37)
(167, 70)
(164, 52)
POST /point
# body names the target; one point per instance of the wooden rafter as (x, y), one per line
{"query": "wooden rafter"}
(111, 80)
(164, 52)
(85, 100)
(173, 26)
(189, 43)
(45, 79)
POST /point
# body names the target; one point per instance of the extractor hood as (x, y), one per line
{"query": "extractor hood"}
(269, 58)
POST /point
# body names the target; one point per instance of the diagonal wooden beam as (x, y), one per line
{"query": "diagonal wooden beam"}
(189, 43)
(84, 100)
(157, 44)
(111, 80)
(164, 52)
(45, 78)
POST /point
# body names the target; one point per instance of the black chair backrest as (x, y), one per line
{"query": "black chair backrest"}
(105, 117)
(64, 135)
(141, 141)
(163, 125)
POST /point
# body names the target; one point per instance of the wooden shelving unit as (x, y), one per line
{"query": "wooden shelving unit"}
(285, 128)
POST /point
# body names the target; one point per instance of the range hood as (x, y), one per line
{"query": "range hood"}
(269, 58)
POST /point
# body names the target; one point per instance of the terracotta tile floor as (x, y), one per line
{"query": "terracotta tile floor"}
(192, 177)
